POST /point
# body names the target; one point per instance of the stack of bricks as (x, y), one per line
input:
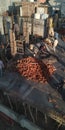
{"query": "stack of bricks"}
(34, 70)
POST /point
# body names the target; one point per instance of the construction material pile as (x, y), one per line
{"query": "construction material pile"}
(34, 69)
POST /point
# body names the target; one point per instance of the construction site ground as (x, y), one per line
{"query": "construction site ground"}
(30, 92)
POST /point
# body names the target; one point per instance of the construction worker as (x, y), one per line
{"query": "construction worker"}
(55, 44)
(55, 41)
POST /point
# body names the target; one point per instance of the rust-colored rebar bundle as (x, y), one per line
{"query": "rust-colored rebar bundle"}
(34, 69)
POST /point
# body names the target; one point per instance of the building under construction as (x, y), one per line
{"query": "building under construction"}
(32, 87)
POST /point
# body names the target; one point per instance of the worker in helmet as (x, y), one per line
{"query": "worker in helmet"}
(55, 44)
(55, 41)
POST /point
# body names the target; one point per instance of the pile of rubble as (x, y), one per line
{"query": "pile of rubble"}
(34, 69)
